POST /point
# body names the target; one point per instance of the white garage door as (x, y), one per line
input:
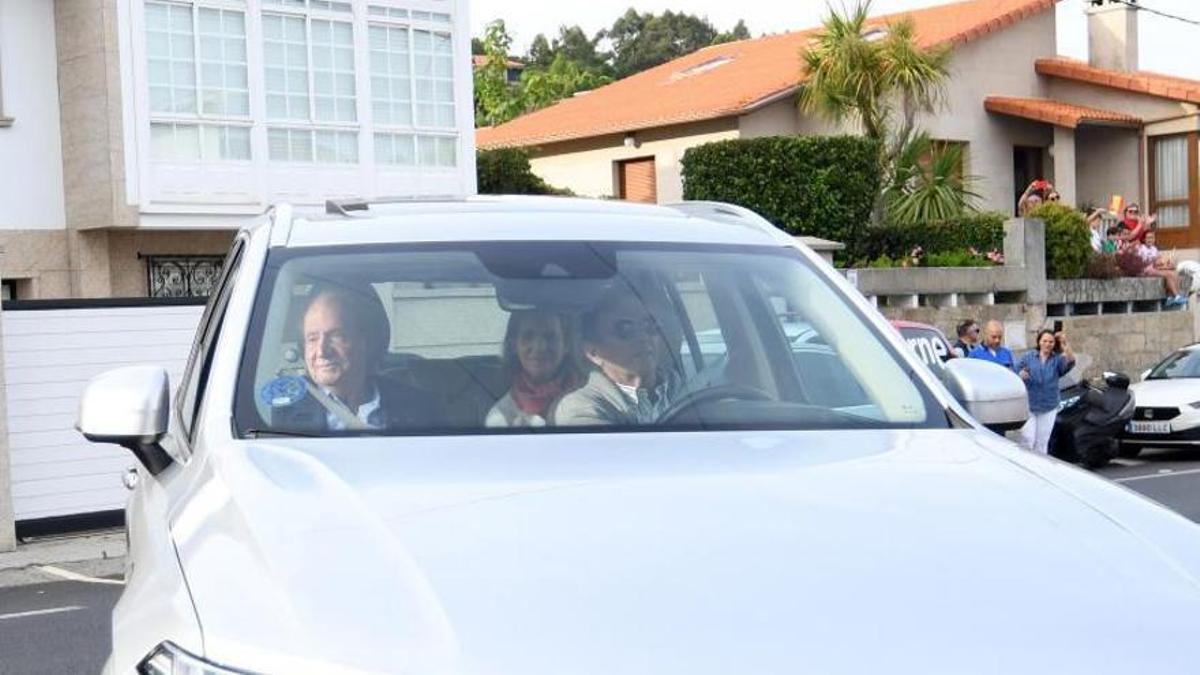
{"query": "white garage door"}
(49, 356)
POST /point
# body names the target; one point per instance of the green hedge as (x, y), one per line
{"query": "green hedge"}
(1068, 242)
(506, 171)
(822, 186)
(983, 232)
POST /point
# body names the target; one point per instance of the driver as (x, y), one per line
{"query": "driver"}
(628, 385)
(345, 336)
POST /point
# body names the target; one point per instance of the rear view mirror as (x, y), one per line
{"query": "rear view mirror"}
(129, 407)
(993, 394)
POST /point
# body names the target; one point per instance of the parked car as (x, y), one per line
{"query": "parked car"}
(751, 522)
(1167, 411)
(929, 342)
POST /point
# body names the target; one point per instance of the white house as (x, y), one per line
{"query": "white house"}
(137, 135)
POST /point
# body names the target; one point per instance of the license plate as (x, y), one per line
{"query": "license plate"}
(1150, 427)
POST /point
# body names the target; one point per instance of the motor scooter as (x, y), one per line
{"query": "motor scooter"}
(1090, 418)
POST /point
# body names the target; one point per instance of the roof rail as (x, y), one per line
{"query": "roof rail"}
(343, 207)
(732, 213)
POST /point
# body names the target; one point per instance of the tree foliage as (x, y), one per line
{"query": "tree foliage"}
(928, 184)
(644, 40)
(496, 101)
(877, 76)
(560, 66)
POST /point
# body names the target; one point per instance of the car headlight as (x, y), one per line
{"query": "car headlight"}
(167, 659)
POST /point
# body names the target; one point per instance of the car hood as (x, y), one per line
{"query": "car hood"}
(1175, 393)
(765, 552)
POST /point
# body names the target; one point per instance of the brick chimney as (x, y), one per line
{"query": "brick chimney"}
(1112, 35)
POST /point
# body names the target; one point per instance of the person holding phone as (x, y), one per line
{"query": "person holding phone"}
(1040, 368)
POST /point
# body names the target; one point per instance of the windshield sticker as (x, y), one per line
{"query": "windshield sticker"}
(283, 391)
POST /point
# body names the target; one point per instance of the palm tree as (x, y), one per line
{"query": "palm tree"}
(876, 75)
(928, 184)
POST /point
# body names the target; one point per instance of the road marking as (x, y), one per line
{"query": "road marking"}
(40, 612)
(75, 576)
(1162, 473)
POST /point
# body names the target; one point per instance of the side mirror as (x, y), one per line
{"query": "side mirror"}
(993, 394)
(1116, 380)
(129, 407)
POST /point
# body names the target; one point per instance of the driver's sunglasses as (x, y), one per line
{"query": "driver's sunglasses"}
(630, 329)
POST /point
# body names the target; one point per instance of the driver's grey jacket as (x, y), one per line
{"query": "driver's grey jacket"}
(600, 401)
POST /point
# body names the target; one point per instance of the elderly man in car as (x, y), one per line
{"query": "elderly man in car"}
(345, 337)
(629, 385)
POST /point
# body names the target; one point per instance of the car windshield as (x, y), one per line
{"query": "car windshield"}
(1182, 364)
(563, 336)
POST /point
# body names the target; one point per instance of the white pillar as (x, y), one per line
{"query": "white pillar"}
(1064, 164)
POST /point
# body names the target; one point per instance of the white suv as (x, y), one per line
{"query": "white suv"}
(547, 436)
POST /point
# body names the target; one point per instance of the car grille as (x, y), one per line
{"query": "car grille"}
(1157, 414)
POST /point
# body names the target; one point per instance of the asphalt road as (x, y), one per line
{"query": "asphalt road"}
(56, 628)
(63, 627)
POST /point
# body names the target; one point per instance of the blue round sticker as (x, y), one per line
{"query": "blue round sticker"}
(283, 391)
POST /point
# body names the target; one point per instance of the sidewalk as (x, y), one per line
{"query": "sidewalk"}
(91, 554)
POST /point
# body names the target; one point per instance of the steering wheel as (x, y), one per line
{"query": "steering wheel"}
(721, 392)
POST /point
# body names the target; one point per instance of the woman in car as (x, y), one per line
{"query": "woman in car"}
(537, 366)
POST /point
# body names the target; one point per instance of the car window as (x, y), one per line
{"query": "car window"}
(191, 390)
(563, 336)
(1181, 364)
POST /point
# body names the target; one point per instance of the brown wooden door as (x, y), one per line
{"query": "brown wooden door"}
(638, 180)
(1177, 237)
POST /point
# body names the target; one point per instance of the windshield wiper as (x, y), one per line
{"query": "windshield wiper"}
(280, 433)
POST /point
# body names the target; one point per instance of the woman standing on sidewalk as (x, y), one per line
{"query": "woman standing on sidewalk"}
(1041, 368)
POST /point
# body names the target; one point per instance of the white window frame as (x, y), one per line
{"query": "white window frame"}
(246, 187)
(199, 118)
(418, 131)
(5, 121)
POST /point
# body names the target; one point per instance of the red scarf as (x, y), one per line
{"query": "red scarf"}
(534, 399)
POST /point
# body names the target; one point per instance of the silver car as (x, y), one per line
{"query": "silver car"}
(547, 436)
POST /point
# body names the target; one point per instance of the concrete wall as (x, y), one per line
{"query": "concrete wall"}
(1129, 343)
(588, 167)
(1107, 161)
(31, 194)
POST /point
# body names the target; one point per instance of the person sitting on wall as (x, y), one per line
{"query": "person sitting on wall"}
(1155, 264)
(993, 348)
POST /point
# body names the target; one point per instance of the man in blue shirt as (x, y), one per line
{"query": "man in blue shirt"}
(993, 349)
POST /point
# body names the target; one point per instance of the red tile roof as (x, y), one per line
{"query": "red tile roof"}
(1056, 112)
(480, 60)
(729, 79)
(1142, 82)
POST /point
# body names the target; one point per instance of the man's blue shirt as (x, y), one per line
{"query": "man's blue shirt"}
(1002, 355)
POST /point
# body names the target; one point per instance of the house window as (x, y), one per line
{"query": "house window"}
(412, 89)
(301, 103)
(1173, 180)
(182, 276)
(8, 290)
(4, 120)
(195, 82)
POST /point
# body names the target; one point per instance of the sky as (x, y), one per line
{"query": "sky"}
(1163, 43)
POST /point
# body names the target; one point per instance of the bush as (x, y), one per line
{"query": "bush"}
(983, 232)
(506, 171)
(1104, 266)
(955, 259)
(1068, 242)
(821, 186)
